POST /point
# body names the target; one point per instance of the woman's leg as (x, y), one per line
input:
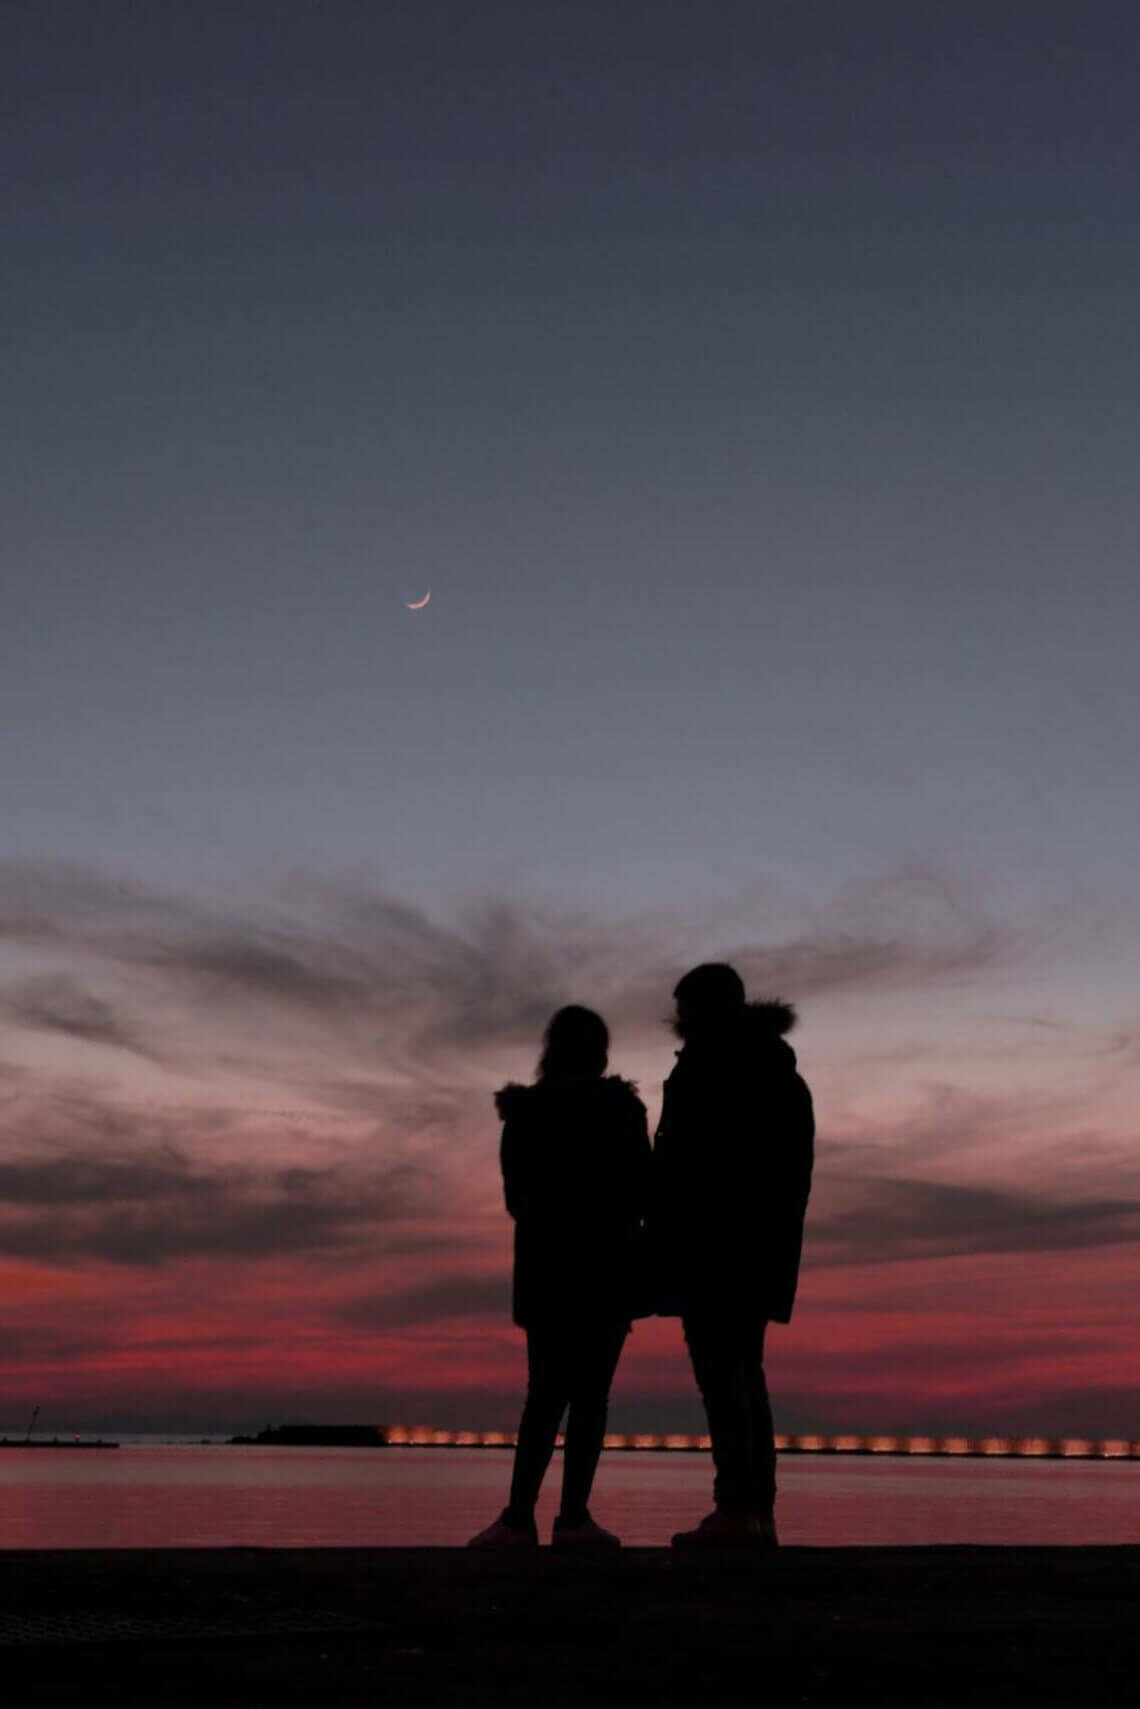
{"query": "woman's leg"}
(596, 1358)
(547, 1392)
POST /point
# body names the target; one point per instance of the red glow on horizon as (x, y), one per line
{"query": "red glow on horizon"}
(200, 1336)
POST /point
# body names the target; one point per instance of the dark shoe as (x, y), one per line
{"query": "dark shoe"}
(502, 1534)
(582, 1534)
(729, 1531)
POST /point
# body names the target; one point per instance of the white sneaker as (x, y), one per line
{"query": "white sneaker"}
(502, 1535)
(587, 1535)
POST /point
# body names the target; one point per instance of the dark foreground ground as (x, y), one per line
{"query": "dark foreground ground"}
(215, 1628)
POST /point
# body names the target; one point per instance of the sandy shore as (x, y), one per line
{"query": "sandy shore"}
(961, 1626)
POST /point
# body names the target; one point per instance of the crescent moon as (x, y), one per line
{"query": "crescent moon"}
(418, 604)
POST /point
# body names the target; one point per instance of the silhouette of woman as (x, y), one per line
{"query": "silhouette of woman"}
(575, 1158)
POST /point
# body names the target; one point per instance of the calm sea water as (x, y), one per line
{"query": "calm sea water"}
(194, 1496)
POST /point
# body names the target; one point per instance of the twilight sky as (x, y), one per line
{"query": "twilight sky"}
(754, 386)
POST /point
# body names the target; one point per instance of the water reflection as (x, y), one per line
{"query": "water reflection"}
(153, 1497)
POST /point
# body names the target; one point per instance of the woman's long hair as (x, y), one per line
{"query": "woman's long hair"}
(576, 1044)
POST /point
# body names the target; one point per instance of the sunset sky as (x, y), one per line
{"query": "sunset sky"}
(754, 387)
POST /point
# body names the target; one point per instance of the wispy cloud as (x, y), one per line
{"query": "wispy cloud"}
(893, 1219)
(364, 1008)
(152, 1210)
(449, 1297)
(958, 1173)
(348, 969)
(57, 1003)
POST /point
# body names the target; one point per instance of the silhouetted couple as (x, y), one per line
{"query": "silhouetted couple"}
(707, 1226)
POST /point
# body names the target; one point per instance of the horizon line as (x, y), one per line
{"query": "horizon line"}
(953, 1446)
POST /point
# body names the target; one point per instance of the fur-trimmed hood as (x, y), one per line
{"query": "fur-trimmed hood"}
(513, 1100)
(765, 1025)
(756, 1033)
(771, 1016)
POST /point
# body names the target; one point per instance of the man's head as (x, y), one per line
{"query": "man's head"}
(708, 998)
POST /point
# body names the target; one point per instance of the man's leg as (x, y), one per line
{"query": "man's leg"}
(761, 1475)
(728, 1363)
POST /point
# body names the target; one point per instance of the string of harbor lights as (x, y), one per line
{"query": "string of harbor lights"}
(973, 1447)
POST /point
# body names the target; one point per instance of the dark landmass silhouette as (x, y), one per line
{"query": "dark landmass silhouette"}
(316, 1436)
(52, 1442)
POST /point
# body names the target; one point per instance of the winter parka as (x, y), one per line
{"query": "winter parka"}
(732, 1163)
(575, 1158)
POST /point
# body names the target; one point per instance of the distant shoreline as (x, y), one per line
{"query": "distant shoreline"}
(841, 1446)
(907, 1447)
(54, 1442)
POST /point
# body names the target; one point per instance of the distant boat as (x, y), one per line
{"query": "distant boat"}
(316, 1436)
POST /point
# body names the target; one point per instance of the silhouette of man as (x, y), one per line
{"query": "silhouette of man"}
(732, 1161)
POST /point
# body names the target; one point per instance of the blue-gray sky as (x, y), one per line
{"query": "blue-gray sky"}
(753, 385)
